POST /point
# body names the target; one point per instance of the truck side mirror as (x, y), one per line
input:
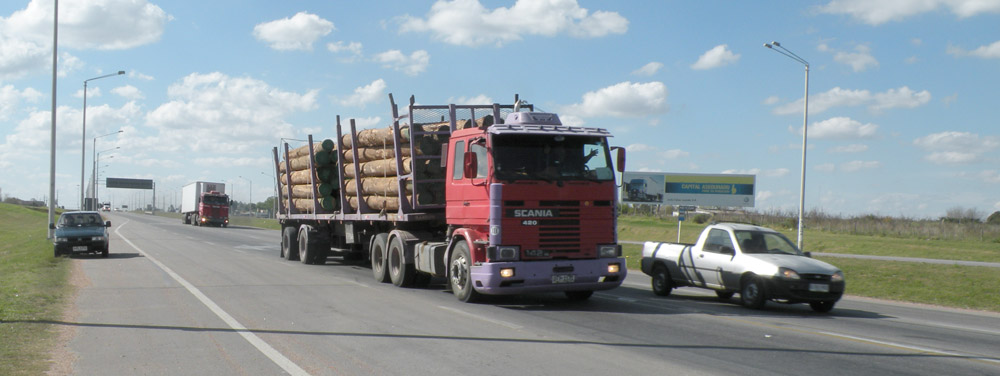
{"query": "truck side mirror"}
(620, 165)
(471, 167)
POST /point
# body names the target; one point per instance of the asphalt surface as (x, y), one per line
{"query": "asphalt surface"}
(175, 299)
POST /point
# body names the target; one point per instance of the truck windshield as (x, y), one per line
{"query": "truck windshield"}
(765, 242)
(548, 157)
(215, 200)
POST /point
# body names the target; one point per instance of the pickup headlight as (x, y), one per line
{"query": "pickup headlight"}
(788, 273)
(609, 250)
(837, 277)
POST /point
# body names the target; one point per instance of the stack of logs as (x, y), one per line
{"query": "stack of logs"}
(323, 172)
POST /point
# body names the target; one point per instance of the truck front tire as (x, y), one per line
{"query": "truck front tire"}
(460, 273)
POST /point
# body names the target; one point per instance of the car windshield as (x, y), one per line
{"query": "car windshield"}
(548, 157)
(81, 220)
(765, 242)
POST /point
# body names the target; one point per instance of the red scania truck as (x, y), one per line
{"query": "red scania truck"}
(205, 203)
(523, 204)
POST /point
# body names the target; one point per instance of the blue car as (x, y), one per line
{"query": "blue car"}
(81, 232)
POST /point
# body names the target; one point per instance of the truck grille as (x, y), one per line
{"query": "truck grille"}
(560, 234)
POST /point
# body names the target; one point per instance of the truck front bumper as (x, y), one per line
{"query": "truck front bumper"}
(549, 276)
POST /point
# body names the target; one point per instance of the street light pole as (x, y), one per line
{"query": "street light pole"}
(52, 151)
(93, 173)
(777, 47)
(83, 136)
(97, 156)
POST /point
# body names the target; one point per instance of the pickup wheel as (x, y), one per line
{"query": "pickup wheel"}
(400, 273)
(724, 295)
(577, 296)
(379, 257)
(290, 243)
(460, 273)
(822, 307)
(662, 285)
(753, 294)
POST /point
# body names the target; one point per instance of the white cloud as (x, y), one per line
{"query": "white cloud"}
(639, 148)
(139, 76)
(11, 98)
(469, 23)
(990, 176)
(411, 65)
(673, 154)
(296, 33)
(365, 94)
(764, 195)
(837, 97)
(956, 147)
(825, 167)
(128, 92)
(223, 114)
(26, 36)
(852, 148)
(340, 46)
(859, 60)
(648, 69)
(368, 122)
(774, 173)
(624, 99)
(476, 100)
(855, 166)
(771, 100)
(840, 128)
(879, 12)
(991, 51)
(716, 57)
(234, 161)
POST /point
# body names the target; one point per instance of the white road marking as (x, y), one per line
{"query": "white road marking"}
(266, 349)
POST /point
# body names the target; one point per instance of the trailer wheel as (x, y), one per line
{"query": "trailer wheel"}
(400, 273)
(313, 246)
(289, 243)
(460, 273)
(379, 257)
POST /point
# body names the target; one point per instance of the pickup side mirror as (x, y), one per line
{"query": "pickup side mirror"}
(107, 224)
(727, 250)
(808, 254)
(471, 167)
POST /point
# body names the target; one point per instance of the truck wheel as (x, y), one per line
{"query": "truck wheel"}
(400, 273)
(289, 243)
(662, 285)
(460, 273)
(577, 296)
(186, 219)
(312, 246)
(822, 307)
(379, 258)
(724, 295)
(753, 294)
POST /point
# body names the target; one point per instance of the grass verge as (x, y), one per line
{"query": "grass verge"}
(34, 288)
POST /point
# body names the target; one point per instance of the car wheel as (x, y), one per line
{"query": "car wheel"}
(724, 295)
(753, 295)
(822, 307)
(460, 273)
(662, 285)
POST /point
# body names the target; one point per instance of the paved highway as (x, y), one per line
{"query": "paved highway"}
(175, 299)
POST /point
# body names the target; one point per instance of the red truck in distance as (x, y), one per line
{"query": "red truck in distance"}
(205, 204)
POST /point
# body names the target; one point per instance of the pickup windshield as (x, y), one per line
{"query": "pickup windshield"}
(551, 158)
(765, 242)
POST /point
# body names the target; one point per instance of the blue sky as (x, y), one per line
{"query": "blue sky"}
(902, 95)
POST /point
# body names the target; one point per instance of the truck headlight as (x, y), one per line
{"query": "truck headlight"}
(503, 253)
(788, 273)
(507, 272)
(614, 268)
(837, 277)
(609, 250)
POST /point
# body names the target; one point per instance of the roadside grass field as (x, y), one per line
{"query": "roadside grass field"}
(34, 290)
(268, 223)
(970, 287)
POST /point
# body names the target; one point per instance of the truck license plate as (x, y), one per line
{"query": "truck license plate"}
(819, 287)
(564, 278)
(79, 248)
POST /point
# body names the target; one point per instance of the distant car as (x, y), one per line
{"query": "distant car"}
(81, 232)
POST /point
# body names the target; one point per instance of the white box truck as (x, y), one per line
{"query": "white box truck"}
(205, 203)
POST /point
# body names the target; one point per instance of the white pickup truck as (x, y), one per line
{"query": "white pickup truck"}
(757, 262)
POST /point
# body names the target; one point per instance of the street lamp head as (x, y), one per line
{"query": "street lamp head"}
(768, 45)
(776, 43)
(121, 72)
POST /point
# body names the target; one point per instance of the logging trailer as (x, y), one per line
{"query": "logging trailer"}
(496, 199)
